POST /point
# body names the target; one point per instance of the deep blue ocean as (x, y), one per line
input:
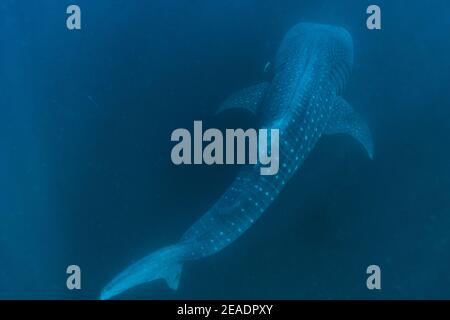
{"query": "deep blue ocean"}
(85, 170)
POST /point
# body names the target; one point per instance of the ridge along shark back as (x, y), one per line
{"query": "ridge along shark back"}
(303, 100)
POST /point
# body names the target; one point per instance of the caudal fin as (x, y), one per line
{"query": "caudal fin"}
(166, 263)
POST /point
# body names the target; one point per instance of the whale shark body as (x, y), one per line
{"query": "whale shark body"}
(303, 100)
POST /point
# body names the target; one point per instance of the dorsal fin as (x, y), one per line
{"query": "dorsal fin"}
(173, 276)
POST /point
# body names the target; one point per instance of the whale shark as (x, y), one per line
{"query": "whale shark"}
(303, 100)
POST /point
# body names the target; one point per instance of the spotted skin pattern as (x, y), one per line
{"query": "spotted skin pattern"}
(301, 101)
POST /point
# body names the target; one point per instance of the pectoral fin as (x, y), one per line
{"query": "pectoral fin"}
(346, 121)
(249, 99)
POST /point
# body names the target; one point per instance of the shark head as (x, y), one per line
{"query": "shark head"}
(330, 46)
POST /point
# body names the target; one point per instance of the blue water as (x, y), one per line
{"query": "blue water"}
(85, 170)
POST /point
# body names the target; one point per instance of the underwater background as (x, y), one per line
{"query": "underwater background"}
(85, 170)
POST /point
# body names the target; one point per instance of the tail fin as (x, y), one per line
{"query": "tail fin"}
(166, 263)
